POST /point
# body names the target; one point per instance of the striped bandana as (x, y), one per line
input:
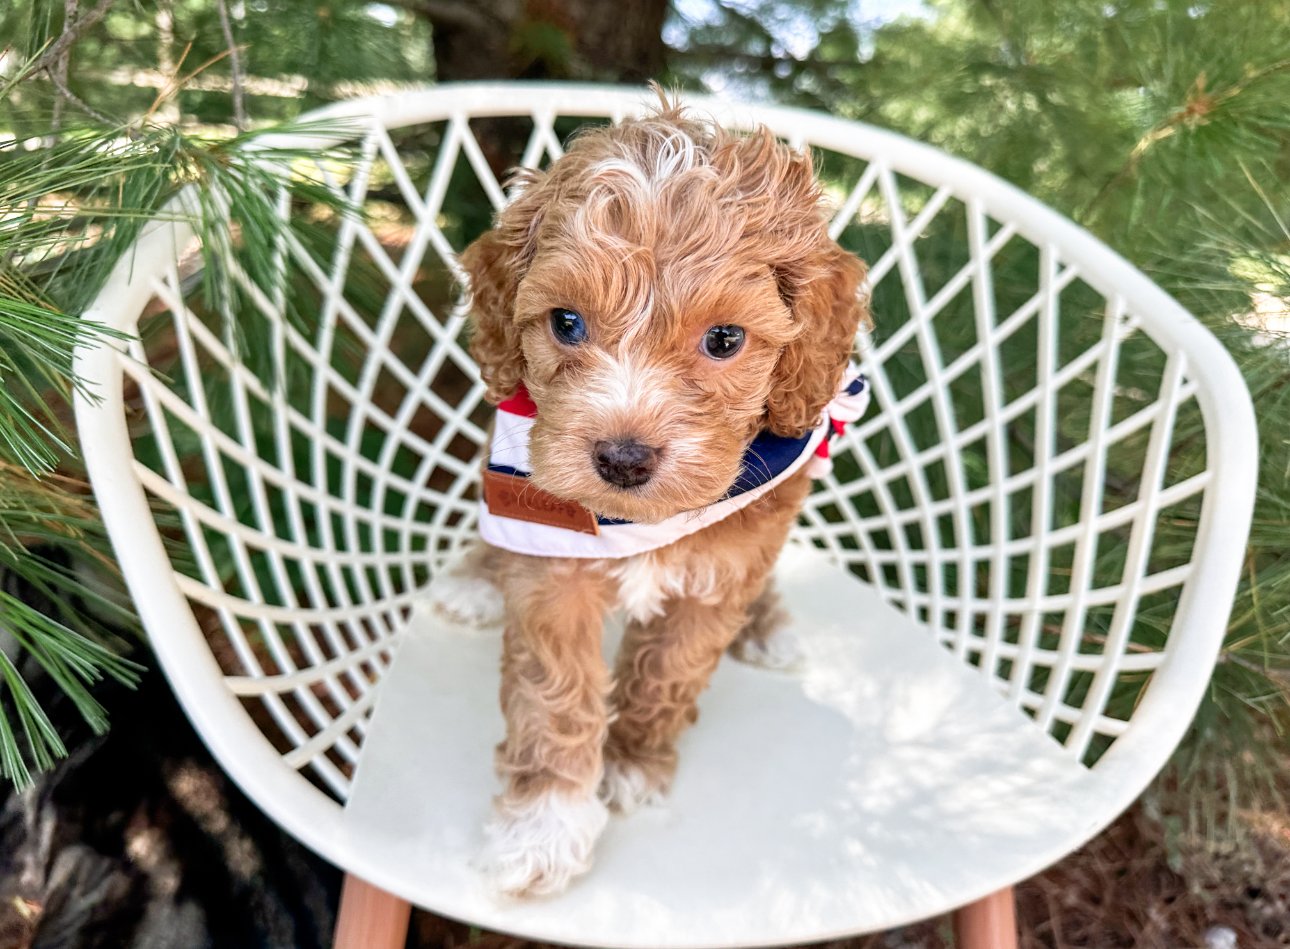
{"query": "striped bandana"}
(540, 525)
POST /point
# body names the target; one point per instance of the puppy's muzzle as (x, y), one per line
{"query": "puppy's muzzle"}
(625, 462)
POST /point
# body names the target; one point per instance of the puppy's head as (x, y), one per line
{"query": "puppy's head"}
(665, 290)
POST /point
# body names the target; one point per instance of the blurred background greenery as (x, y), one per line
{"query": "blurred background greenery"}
(1160, 125)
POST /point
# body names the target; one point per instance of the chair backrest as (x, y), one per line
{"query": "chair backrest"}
(1056, 476)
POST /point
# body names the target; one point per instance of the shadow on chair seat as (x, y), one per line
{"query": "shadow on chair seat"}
(885, 782)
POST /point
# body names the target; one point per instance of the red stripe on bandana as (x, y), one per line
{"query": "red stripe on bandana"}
(521, 403)
(822, 449)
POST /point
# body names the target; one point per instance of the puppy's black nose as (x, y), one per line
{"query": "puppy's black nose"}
(624, 462)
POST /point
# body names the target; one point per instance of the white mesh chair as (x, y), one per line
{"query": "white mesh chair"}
(1042, 516)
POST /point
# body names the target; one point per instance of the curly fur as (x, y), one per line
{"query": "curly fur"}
(654, 231)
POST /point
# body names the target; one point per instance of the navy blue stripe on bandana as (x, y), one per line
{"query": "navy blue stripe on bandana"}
(765, 459)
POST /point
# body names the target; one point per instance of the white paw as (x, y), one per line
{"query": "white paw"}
(781, 651)
(626, 786)
(467, 599)
(536, 848)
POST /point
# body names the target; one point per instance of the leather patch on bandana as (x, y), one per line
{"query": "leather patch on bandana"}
(517, 497)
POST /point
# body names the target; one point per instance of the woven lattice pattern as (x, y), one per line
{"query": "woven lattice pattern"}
(1007, 488)
(1007, 492)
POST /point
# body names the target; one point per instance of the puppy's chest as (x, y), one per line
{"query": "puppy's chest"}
(646, 583)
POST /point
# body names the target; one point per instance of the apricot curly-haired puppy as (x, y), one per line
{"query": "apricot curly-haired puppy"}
(663, 319)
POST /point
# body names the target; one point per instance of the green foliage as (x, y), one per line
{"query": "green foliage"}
(808, 52)
(66, 638)
(75, 191)
(296, 55)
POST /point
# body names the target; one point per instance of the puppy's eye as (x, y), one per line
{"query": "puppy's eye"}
(568, 327)
(722, 342)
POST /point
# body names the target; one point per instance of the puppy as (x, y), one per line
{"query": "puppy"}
(663, 320)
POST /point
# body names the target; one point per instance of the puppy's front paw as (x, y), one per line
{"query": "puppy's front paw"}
(467, 599)
(535, 847)
(767, 639)
(780, 650)
(629, 784)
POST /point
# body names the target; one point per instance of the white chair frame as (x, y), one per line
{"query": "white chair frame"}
(358, 633)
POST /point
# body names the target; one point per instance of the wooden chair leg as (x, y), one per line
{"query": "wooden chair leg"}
(989, 923)
(370, 918)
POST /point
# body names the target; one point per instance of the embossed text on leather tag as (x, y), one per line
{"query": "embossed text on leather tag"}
(517, 497)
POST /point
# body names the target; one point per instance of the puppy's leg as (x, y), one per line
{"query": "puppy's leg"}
(766, 639)
(663, 666)
(554, 686)
(666, 661)
(465, 592)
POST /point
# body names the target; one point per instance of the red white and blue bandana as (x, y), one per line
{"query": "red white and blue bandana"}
(769, 460)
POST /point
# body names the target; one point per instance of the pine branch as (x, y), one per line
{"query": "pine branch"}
(72, 32)
(80, 202)
(1197, 109)
(58, 73)
(67, 94)
(235, 66)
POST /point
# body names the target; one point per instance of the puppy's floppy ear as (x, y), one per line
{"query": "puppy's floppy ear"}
(495, 264)
(824, 294)
(819, 282)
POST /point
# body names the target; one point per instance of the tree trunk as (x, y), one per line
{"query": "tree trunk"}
(602, 40)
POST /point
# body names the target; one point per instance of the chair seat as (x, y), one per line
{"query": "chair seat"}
(884, 782)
